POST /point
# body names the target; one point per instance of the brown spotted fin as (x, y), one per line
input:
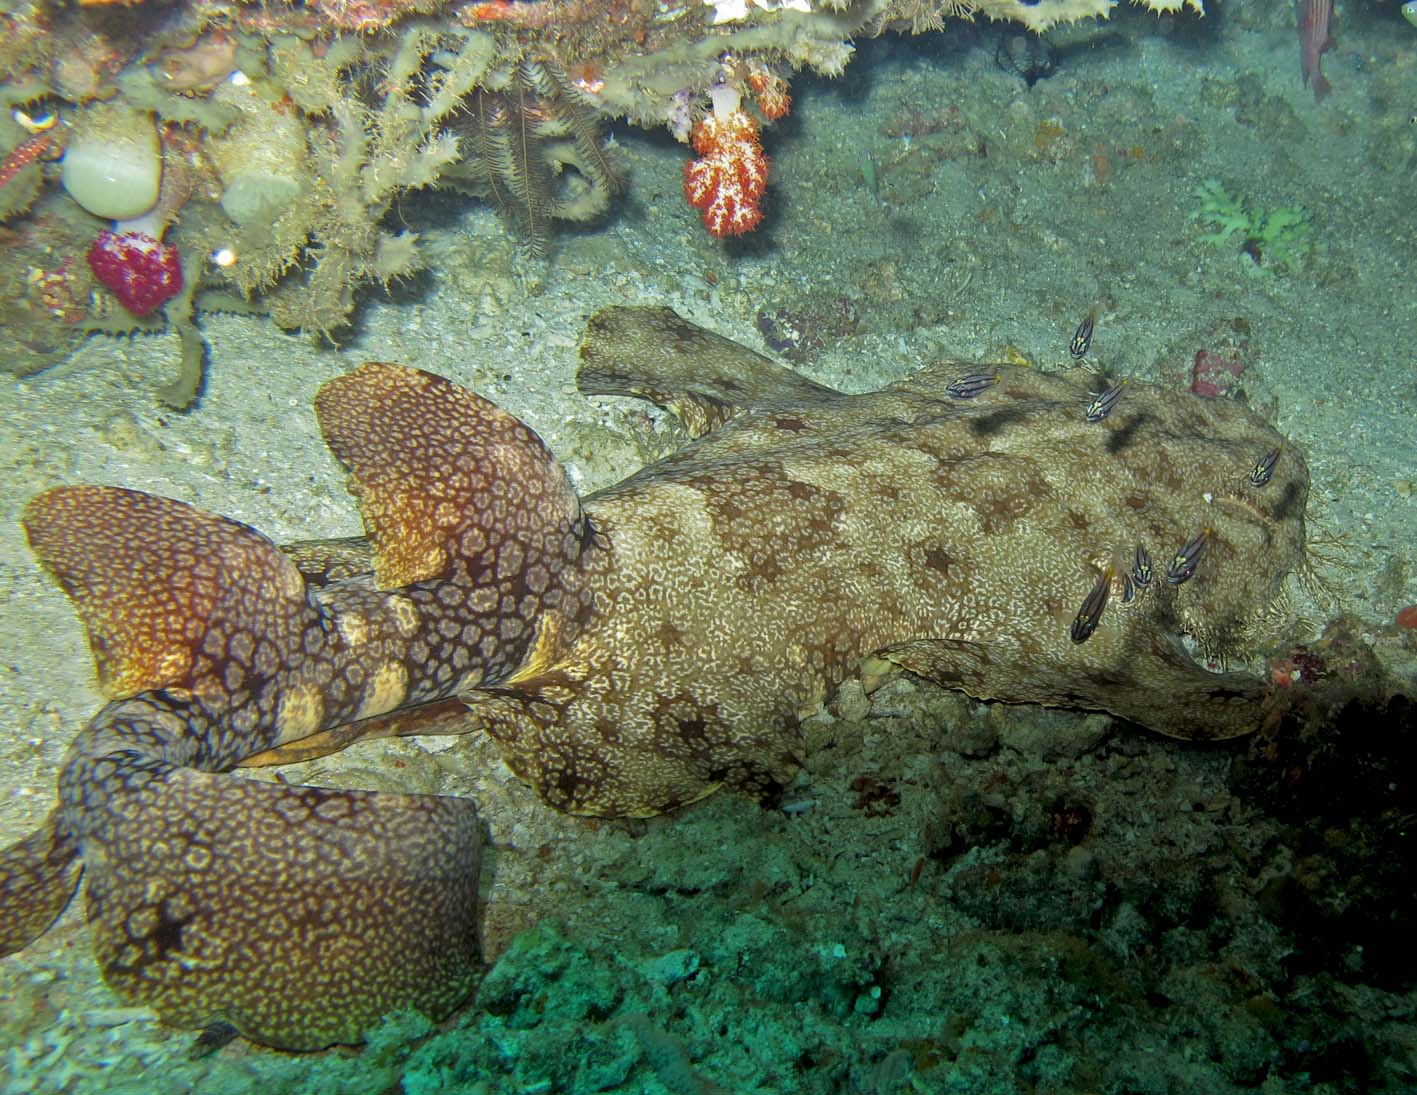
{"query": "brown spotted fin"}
(1200, 705)
(702, 377)
(440, 717)
(37, 879)
(299, 915)
(149, 577)
(446, 478)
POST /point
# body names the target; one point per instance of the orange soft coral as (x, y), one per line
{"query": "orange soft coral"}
(727, 181)
(769, 90)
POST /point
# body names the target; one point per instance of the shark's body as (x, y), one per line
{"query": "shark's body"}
(630, 653)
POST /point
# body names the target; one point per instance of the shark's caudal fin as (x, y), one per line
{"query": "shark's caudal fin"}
(299, 915)
(37, 879)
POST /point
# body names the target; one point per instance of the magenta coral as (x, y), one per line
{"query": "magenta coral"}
(142, 272)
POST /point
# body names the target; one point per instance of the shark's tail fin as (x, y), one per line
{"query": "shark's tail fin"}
(299, 915)
(38, 876)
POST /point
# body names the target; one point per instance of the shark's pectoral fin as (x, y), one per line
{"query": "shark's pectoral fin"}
(703, 378)
(950, 663)
(1169, 693)
(299, 915)
(38, 876)
(1157, 685)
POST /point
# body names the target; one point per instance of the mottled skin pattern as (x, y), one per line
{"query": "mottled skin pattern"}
(744, 577)
(299, 915)
(631, 653)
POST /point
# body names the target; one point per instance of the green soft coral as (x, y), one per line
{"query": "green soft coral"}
(1281, 239)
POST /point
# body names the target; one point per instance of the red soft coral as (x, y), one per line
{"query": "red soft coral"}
(727, 181)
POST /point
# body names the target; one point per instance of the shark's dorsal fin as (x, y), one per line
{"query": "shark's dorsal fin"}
(153, 578)
(445, 477)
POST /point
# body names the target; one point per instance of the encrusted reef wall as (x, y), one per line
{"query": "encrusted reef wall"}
(164, 159)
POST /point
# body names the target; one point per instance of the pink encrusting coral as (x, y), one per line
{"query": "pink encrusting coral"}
(142, 272)
(1214, 375)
